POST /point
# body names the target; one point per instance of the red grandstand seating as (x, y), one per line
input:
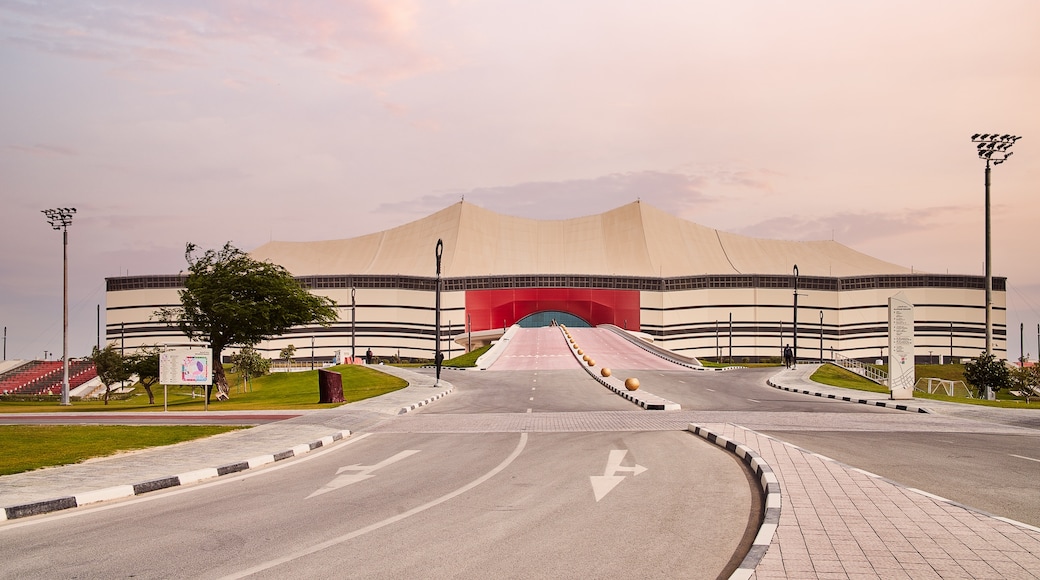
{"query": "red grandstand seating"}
(45, 377)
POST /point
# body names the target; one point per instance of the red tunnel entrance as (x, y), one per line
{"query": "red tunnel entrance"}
(489, 309)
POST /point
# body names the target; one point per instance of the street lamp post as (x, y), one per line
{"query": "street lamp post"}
(996, 149)
(794, 340)
(60, 218)
(438, 252)
(821, 337)
(469, 333)
(353, 308)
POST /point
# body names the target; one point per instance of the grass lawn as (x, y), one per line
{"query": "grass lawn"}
(468, 359)
(282, 391)
(28, 447)
(838, 377)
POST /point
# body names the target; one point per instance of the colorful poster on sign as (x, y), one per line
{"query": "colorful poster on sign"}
(195, 370)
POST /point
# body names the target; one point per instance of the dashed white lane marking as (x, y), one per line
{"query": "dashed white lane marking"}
(528, 410)
(711, 390)
(754, 400)
(1024, 457)
(531, 399)
(533, 388)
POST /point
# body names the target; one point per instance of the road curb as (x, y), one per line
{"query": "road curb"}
(426, 401)
(872, 402)
(124, 491)
(770, 485)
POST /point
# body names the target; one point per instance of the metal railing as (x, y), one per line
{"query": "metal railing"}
(864, 370)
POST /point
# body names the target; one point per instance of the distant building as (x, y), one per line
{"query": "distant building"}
(696, 290)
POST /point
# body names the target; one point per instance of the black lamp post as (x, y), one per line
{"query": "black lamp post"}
(794, 341)
(353, 308)
(995, 148)
(437, 308)
(60, 218)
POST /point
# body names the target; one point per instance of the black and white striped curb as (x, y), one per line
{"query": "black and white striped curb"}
(426, 401)
(770, 487)
(648, 401)
(123, 491)
(873, 402)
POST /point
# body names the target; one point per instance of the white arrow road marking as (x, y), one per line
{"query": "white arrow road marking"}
(361, 472)
(603, 484)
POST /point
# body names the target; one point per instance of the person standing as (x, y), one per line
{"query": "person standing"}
(788, 356)
(368, 356)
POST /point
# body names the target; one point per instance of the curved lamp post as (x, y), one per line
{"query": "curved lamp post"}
(437, 325)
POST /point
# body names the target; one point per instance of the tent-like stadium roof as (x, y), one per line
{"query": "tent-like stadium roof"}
(633, 240)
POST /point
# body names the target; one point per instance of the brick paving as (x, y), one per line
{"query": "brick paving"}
(840, 522)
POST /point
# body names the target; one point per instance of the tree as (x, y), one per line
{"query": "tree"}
(287, 354)
(111, 367)
(1026, 380)
(230, 298)
(145, 364)
(249, 364)
(987, 371)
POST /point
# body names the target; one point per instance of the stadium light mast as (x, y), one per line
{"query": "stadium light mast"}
(993, 148)
(60, 219)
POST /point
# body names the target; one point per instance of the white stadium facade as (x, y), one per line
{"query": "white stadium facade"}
(695, 290)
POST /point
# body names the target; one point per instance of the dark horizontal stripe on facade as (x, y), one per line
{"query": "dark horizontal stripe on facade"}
(703, 282)
(808, 308)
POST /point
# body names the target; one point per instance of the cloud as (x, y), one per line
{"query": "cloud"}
(857, 227)
(572, 198)
(363, 40)
(40, 149)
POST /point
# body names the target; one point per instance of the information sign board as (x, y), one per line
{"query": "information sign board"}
(186, 366)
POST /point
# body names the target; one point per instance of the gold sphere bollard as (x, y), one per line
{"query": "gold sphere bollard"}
(605, 372)
(632, 383)
(591, 362)
(581, 351)
(586, 358)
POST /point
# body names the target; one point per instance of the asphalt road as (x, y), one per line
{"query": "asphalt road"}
(456, 490)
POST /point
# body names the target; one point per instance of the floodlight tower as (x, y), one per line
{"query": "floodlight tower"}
(60, 218)
(993, 148)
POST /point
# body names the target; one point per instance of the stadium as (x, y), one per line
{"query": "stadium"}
(692, 289)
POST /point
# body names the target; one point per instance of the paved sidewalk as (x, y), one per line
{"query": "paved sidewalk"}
(128, 474)
(840, 522)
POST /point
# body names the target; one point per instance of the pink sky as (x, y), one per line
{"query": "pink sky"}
(169, 121)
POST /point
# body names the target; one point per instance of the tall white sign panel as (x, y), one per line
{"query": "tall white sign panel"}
(901, 375)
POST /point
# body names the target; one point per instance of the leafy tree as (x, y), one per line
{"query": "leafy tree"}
(230, 298)
(287, 354)
(1025, 380)
(249, 364)
(987, 371)
(145, 364)
(111, 367)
